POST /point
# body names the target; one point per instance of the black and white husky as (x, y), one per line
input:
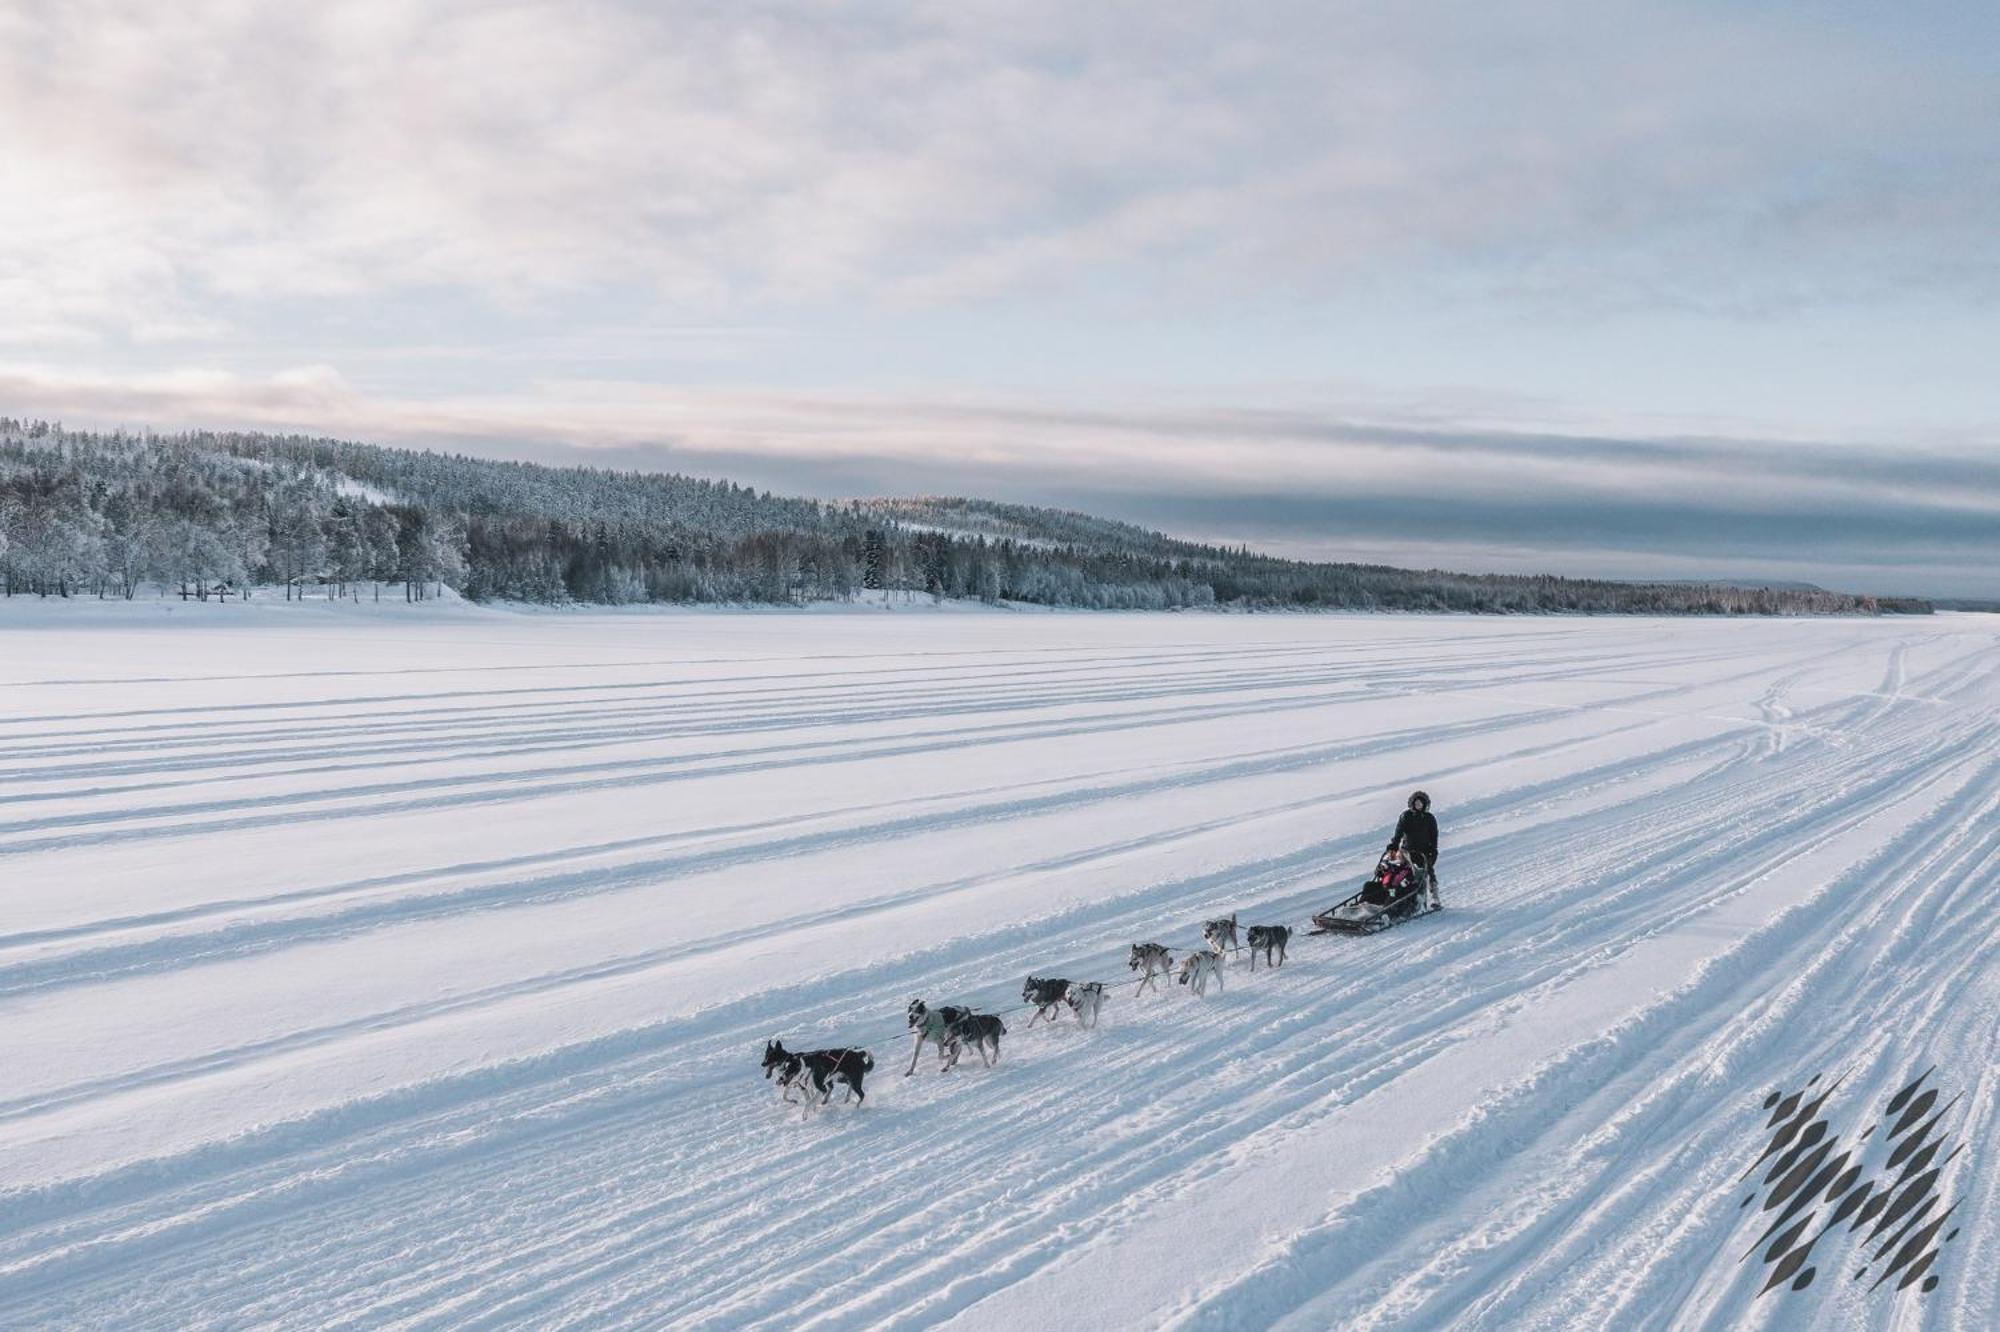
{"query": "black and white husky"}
(1084, 1000)
(1198, 968)
(1221, 934)
(790, 1068)
(1152, 959)
(1046, 994)
(933, 1025)
(981, 1031)
(787, 1068)
(1265, 938)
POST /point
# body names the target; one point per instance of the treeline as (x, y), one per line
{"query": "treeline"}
(101, 515)
(206, 514)
(1037, 526)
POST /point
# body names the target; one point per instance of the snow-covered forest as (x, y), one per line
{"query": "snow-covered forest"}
(199, 515)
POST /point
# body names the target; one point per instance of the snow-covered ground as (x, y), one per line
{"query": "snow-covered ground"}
(411, 968)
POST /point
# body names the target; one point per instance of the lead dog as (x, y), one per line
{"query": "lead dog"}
(981, 1031)
(1154, 960)
(1220, 934)
(822, 1066)
(1084, 1000)
(1264, 938)
(786, 1067)
(1046, 995)
(1198, 968)
(933, 1025)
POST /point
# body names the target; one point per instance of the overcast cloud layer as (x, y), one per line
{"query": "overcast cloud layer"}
(1639, 289)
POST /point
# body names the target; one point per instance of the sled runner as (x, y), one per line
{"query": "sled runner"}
(1376, 908)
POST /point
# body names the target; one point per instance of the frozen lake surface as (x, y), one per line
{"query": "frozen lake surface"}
(411, 967)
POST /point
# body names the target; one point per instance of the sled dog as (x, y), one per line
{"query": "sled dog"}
(1152, 959)
(981, 1031)
(785, 1067)
(1198, 968)
(1084, 1000)
(1046, 995)
(1264, 938)
(821, 1066)
(932, 1025)
(1220, 934)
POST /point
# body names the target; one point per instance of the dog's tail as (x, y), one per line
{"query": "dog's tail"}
(867, 1062)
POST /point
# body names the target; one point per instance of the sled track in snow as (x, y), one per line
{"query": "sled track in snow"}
(423, 985)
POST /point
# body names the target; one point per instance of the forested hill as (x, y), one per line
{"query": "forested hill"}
(105, 514)
(1036, 526)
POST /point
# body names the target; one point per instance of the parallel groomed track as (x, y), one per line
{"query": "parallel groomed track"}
(414, 974)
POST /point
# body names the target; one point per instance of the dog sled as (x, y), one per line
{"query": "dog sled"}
(1375, 907)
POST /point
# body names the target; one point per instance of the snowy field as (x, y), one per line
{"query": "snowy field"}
(411, 967)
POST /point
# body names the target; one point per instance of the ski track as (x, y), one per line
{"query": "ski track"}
(417, 977)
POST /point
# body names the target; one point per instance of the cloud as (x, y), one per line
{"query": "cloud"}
(178, 167)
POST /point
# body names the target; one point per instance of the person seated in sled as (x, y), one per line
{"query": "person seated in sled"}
(1392, 879)
(1416, 838)
(1396, 875)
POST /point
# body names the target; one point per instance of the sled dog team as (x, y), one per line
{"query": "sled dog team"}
(953, 1029)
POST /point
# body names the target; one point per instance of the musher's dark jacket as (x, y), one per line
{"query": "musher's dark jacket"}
(1417, 832)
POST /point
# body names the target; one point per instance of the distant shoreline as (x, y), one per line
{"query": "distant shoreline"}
(267, 602)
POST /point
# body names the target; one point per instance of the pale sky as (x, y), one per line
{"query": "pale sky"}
(1669, 290)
